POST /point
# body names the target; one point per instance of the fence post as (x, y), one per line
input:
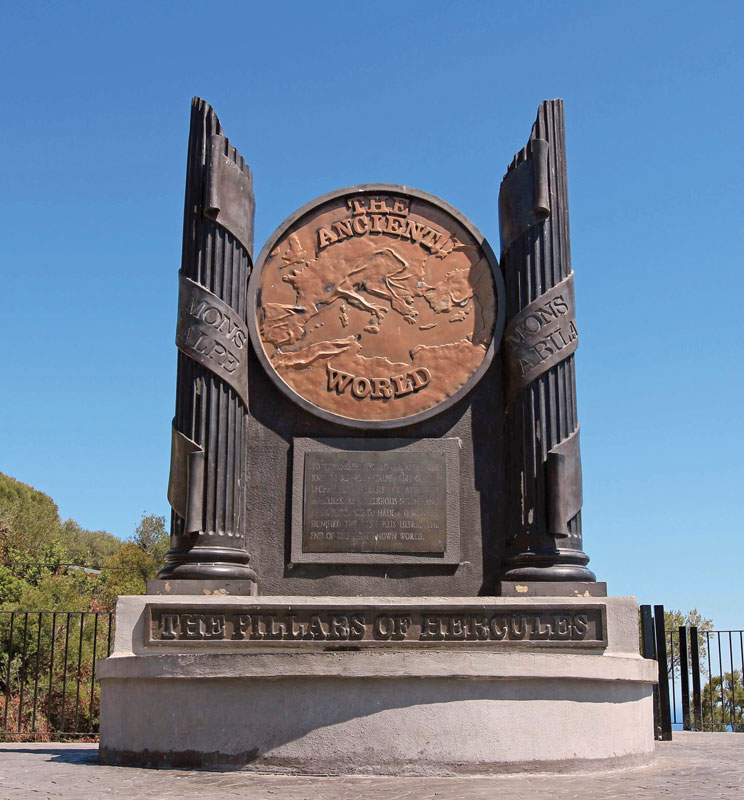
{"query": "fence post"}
(648, 650)
(665, 712)
(684, 669)
(697, 701)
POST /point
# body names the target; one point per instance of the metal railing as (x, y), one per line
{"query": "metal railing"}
(701, 676)
(706, 679)
(48, 671)
(653, 645)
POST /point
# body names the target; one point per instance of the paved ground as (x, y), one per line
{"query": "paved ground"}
(692, 767)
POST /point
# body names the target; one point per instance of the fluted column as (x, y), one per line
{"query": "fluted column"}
(540, 339)
(207, 487)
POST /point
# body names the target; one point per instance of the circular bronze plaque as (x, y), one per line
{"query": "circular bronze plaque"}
(376, 306)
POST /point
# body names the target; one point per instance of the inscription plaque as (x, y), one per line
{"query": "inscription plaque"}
(374, 502)
(475, 624)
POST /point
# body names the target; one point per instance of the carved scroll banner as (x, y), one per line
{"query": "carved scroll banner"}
(540, 340)
(207, 482)
(565, 493)
(541, 335)
(212, 334)
(186, 478)
(524, 199)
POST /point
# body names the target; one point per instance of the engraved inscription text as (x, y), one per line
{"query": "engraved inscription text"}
(415, 626)
(374, 502)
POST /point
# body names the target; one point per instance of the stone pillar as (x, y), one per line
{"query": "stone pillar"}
(539, 343)
(207, 487)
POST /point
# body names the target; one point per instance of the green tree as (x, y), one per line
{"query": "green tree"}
(33, 565)
(139, 559)
(723, 703)
(35, 544)
(52, 632)
(89, 548)
(151, 536)
(673, 621)
(11, 587)
(28, 517)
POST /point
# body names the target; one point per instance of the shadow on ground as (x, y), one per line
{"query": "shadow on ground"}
(61, 755)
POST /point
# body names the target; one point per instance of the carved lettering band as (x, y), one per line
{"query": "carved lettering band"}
(389, 216)
(540, 336)
(263, 625)
(213, 334)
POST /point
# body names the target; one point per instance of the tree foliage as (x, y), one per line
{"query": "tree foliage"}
(27, 516)
(53, 574)
(50, 565)
(673, 621)
(88, 547)
(723, 703)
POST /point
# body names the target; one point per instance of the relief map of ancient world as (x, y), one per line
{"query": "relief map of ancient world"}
(375, 305)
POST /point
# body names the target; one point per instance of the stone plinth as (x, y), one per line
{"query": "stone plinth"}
(416, 705)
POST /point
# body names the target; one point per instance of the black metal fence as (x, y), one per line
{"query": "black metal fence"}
(705, 671)
(701, 676)
(48, 671)
(653, 645)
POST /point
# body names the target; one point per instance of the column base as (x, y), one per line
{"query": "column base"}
(539, 559)
(207, 562)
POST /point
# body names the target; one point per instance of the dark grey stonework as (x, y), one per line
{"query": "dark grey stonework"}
(275, 422)
(542, 428)
(207, 482)
(513, 505)
(448, 503)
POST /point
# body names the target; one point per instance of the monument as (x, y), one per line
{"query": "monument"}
(376, 557)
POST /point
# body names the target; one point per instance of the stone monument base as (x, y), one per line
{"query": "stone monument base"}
(301, 685)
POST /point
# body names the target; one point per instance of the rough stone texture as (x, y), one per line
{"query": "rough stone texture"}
(173, 586)
(694, 766)
(552, 589)
(379, 710)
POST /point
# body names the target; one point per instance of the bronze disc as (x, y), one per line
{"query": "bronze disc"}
(376, 306)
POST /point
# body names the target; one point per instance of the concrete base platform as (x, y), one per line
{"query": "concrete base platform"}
(455, 707)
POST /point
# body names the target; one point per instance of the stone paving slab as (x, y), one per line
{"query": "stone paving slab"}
(695, 766)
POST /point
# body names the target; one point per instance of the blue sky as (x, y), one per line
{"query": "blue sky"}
(436, 95)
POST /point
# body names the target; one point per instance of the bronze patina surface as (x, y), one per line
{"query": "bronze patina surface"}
(376, 305)
(374, 502)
